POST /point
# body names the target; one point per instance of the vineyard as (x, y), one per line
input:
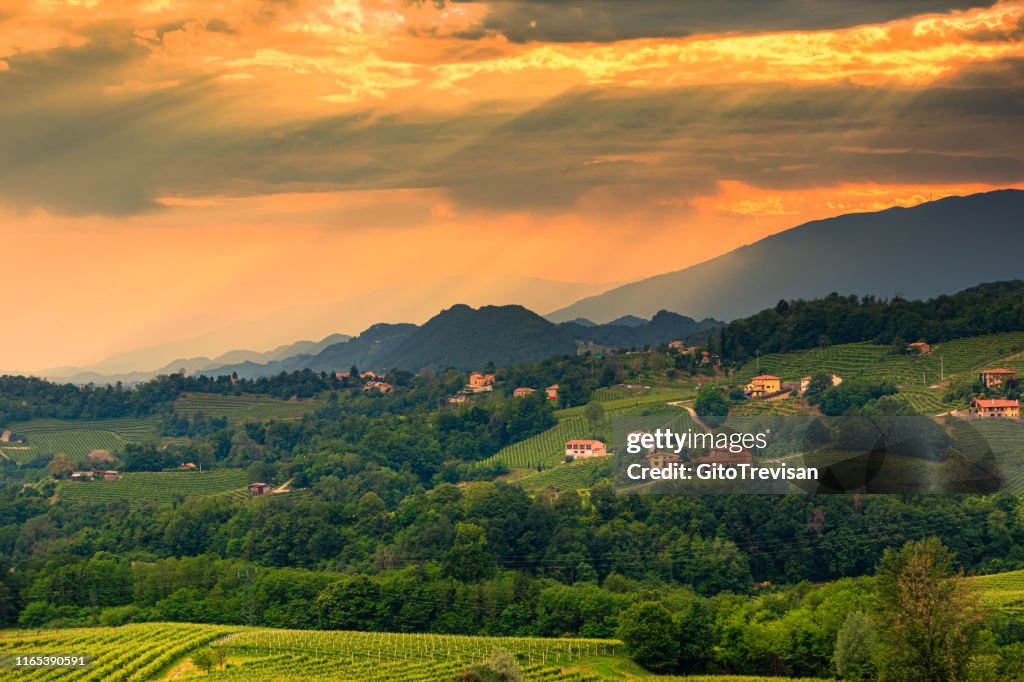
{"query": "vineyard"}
(955, 362)
(131, 652)
(78, 438)
(1002, 591)
(239, 408)
(138, 489)
(155, 651)
(574, 476)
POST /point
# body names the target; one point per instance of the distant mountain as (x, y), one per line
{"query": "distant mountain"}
(76, 375)
(628, 321)
(663, 327)
(583, 322)
(468, 338)
(938, 247)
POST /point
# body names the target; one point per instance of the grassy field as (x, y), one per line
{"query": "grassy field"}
(239, 408)
(163, 651)
(141, 488)
(77, 439)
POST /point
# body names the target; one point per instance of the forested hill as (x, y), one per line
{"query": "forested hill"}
(467, 338)
(798, 324)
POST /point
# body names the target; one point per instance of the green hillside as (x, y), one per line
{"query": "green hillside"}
(923, 380)
(239, 408)
(165, 486)
(1002, 591)
(78, 438)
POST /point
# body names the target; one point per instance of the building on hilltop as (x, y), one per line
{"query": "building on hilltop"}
(762, 385)
(584, 449)
(259, 488)
(996, 378)
(522, 392)
(379, 386)
(552, 392)
(480, 382)
(1003, 409)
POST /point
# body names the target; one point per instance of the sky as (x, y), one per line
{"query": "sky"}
(173, 171)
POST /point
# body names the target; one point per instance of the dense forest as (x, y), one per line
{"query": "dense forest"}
(795, 325)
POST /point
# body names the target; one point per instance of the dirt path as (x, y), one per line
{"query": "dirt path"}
(693, 414)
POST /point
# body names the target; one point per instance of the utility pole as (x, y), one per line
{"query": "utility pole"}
(942, 369)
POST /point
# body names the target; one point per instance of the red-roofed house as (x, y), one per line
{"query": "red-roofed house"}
(585, 449)
(1006, 409)
(552, 392)
(522, 392)
(996, 378)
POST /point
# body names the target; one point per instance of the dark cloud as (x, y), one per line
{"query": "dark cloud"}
(610, 20)
(66, 146)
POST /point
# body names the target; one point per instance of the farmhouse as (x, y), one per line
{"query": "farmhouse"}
(727, 457)
(81, 475)
(762, 385)
(660, 460)
(259, 488)
(919, 347)
(6, 437)
(188, 466)
(380, 386)
(585, 449)
(552, 392)
(1005, 409)
(522, 392)
(996, 378)
(458, 399)
(106, 474)
(480, 382)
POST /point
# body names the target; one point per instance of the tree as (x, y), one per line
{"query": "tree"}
(930, 619)
(594, 412)
(856, 645)
(468, 559)
(650, 636)
(209, 658)
(711, 405)
(352, 603)
(61, 465)
(820, 382)
(501, 667)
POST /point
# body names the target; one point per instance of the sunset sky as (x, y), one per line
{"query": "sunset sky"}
(172, 169)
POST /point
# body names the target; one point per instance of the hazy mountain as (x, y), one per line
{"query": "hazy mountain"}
(663, 327)
(939, 247)
(628, 321)
(77, 375)
(468, 338)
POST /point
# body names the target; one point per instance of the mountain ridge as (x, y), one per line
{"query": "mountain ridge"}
(955, 243)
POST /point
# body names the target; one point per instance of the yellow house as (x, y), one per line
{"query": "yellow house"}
(762, 385)
(1006, 409)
